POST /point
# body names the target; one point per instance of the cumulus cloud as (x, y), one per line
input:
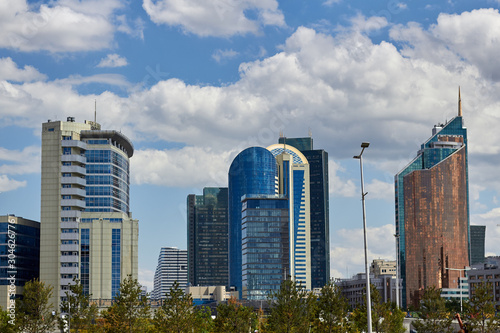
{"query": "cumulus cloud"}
(222, 18)
(378, 189)
(344, 86)
(8, 184)
(19, 162)
(189, 166)
(220, 55)
(63, 26)
(113, 60)
(347, 254)
(490, 220)
(9, 71)
(135, 30)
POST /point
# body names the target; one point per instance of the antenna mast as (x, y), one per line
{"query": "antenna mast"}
(95, 110)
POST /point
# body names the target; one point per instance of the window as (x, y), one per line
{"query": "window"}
(67, 151)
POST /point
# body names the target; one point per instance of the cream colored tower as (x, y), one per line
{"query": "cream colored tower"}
(85, 186)
(293, 181)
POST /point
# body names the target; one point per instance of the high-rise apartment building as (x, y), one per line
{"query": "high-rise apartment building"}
(19, 257)
(208, 237)
(252, 172)
(432, 212)
(319, 211)
(87, 230)
(172, 267)
(477, 235)
(293, 183)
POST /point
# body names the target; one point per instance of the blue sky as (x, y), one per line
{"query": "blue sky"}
(194, 82)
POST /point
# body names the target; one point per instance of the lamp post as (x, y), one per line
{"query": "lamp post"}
(363, 194)
(396, 236)
(460, 282)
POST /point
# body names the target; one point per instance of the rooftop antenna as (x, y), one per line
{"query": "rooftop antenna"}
(459, 103)
(281, 133)
(95, 110)
(310, 132)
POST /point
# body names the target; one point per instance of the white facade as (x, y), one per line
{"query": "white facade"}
(64, 211)
(172, 267)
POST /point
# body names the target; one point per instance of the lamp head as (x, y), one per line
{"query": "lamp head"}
(365, 145)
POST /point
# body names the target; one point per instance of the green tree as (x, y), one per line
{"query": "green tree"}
(34, 313)
(332, 310)
(177, 313)
(292, 309)
(232, 317)
(481, 309)
(434, 316)
(130, 311)
(77, 305)
(7, 324)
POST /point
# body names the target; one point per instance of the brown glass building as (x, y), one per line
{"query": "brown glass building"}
(432, 213)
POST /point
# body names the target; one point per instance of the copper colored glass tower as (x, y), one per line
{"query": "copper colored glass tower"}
(432, 212)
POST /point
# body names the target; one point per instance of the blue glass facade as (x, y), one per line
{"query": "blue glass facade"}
(115, 261)
(265, 245)
(107, 178)
(445, 141)
(253, 171)
(85, 259)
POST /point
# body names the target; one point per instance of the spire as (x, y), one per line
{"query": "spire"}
(95, 110)
(459, 103)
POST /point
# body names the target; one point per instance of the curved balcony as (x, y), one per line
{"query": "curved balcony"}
(69, 259)
(73, 203)
(69, 270)
(74, 191)
(71, 213)
(70, 247)
(73, 169)
(74, 143)
(74, 158)
(69, 236)
(73, 180)
(65, 282)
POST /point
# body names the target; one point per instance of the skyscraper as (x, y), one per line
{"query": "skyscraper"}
(293, 183)
(477, 235)
(252, 172)
(87, 230)
(172, 267)
(19, 257)
(265, 244)
(208, 237)
(319, 202)
(432, 212)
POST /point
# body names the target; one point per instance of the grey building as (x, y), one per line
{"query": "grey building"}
(489, 271)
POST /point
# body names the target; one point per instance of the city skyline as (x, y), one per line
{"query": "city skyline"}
(192, 93)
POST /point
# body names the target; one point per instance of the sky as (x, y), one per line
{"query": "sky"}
(193, 82)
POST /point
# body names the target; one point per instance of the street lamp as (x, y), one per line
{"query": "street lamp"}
(368, 300)
(460, 282)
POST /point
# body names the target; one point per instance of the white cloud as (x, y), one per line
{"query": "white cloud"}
(146, 278)
(136, 31)
(339, 186)
(113, 60)
(10, 72)
(222, 18)
(331, 2)
(220, 55)
(361, 23)
(20, 162)
(378, 189)
(63, 26)
(186, 167)
(8, 184)
(347, 253)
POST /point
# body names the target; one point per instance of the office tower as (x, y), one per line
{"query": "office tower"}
(252, 172)
(319, 202)
(293, 183)
(87, 230)
(172, 267)
(477, 235)
(208, 237)
(19, 257)
(432, 212)
(265, 244)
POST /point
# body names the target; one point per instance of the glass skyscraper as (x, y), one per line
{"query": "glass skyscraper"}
(432, 212)
(319, 202)
(477, 235)
(265, 244)
(208, 237)
(87, 231)
(252, 172)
